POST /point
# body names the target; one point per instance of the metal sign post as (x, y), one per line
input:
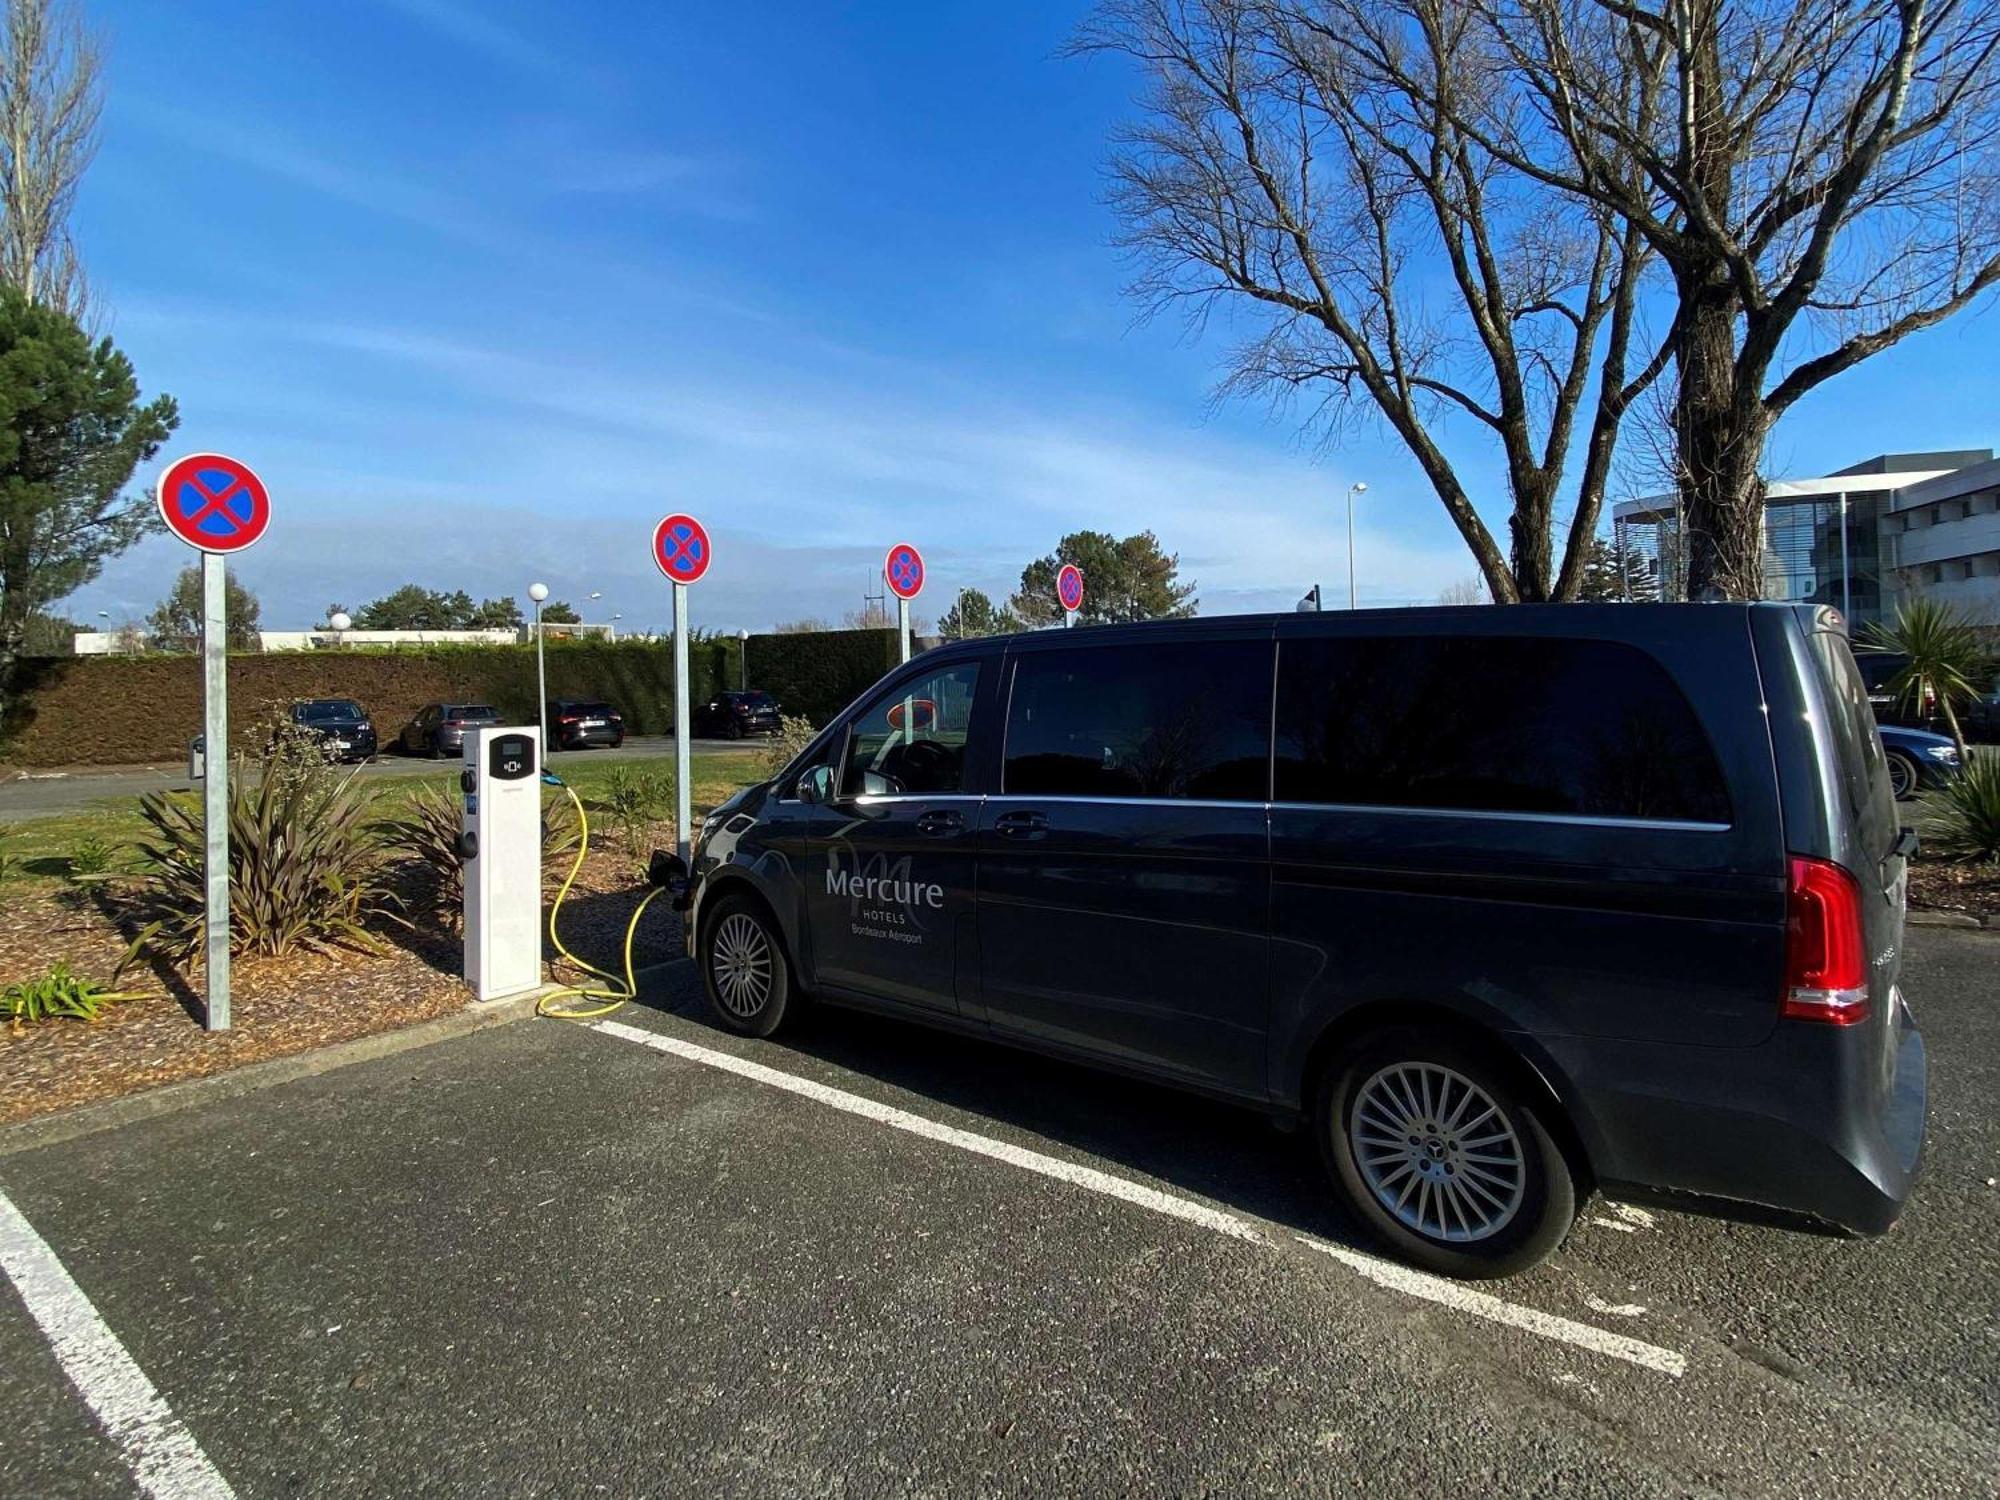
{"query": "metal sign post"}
(682, 552)
(219, 506)
(215, 784)
(903, 571)
(683, 809)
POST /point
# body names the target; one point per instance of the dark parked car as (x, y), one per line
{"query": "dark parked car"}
(341, 724)
(1878, 670)
(576, 723)
(1978, 720)
(1918, 760)
(439, 728)
(1504, 906)
(730, 716)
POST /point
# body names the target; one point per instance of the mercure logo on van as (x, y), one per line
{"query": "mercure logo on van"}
(884, 888)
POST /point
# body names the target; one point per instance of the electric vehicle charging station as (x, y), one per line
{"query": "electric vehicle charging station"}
(500, 843)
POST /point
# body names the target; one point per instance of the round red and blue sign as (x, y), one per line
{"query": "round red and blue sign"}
(681, 549)
(1069, 587)
(904, 571)
(215, 503)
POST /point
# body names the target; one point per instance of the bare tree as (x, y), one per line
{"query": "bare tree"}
(1821, 185)
(49, 101)
(1464, 591)
(1309, 161)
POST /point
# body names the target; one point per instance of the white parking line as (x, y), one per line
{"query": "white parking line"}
(1383, 1273)
(162, 1454)
(1484, 1305)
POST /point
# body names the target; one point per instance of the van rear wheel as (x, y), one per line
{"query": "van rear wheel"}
(1442, 1156)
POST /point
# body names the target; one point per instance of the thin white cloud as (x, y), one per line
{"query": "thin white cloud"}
(476, 30)
(376, 191)
(801, 479)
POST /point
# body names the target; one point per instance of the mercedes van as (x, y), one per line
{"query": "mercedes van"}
(1506, 906)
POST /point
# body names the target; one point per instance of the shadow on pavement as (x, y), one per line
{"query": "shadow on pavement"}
(1232, 1156)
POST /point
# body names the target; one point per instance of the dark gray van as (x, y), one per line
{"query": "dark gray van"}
(1508, 905)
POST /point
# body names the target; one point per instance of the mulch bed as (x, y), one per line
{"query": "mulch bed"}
(280, 1006)
(1936, 885)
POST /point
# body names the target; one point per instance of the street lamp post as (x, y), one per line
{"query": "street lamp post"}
(1354, 489)
(339, 623)
(743, 659)
(538, 592)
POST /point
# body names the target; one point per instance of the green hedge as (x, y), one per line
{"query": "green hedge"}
(818, 673)
(117, 710)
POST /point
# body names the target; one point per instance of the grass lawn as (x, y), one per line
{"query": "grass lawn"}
(36, 853)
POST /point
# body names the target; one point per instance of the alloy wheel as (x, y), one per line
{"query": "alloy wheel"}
(741, 964)
(1437, 1152)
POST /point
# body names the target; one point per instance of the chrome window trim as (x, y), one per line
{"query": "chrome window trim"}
(1133, 801)
(884, 799)
(1584, 820)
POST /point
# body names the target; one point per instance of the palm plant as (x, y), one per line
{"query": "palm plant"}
(305, 866)
(1945, 660)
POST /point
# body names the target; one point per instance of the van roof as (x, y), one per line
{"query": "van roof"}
(1475, 619)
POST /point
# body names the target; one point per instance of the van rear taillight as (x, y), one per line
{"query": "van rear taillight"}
(1826, 963)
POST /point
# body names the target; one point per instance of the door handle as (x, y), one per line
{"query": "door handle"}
(1021, 825)
(941, 823)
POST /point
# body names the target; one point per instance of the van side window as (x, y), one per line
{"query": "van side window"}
(1848, 685)
(1179, 719)
(1499, 724)
(911, 740)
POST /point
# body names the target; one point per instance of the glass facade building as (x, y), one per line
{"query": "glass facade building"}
(1835, 540)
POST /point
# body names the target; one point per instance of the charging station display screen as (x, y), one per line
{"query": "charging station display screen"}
(509, 757)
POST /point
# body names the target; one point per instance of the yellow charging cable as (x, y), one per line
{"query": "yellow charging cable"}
(606, 1000)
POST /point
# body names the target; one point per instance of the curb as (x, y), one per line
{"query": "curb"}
(171, 1098)
(1955, 919)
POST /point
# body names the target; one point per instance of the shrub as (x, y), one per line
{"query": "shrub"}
(795, 732)
(1947, 659)
(58, 994)
(61, 718)
(1964, 822)
(633, 801)
(426, 834)
(88, 856)
(305, 866)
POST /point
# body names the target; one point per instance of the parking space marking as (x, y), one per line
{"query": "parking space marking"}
(161, 1453)
(1383, 1273)
(1484, 1305)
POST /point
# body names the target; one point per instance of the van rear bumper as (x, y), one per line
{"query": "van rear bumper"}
(1814, 1128)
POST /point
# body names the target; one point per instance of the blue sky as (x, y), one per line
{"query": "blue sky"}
(484, 287)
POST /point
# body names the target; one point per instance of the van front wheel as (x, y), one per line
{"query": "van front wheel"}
(1442, 1156)
(743, 969)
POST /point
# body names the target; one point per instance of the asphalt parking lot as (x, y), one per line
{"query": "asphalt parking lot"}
(648, 1258)
(35, 794)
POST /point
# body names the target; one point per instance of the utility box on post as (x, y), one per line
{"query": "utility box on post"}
(500, 843)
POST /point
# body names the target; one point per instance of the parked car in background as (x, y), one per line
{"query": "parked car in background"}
(1979, 719)
(1878, 671)
(730, 716)
(1918, 760)
(340, 724)
(439, 728)
(577, 723)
